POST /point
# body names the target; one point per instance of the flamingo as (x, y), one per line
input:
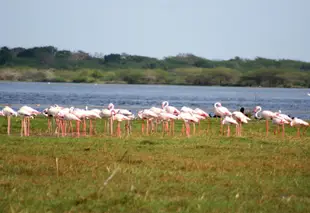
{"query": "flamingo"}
(299, 123)
(27, 113)
(187, 117)
(92, 115)
(266, 114)
(51, 112)
(284, 116)
(200, 112)
(170, 109)
(106, 114)
(125, 112)
(165, 117)
(221, 111)
(119, 118)
(240, 118)
(69, 116)
(278, 120)
(8, 112)
(147, 115)
(186, 109)
(228, 120)
(157, 111)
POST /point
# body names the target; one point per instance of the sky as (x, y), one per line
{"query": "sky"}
(214, 29)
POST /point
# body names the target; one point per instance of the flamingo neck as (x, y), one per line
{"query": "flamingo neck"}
(259, 109)
(217, 104)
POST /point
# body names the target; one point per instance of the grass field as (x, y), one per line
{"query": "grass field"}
(203, 173)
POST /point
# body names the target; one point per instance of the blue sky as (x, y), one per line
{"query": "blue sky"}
(217, 29)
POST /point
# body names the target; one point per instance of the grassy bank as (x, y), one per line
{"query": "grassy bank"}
(204, 173)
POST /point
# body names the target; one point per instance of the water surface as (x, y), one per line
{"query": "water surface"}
(295, 102)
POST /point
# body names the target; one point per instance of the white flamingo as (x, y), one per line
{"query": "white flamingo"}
(299, 123)
(26, 112)
(187, 118)
(279, 121)
(240, 118)
(228, 120)
(266, 114)
(147, 115)
(221, 111)
(8, 112)
(119, 118)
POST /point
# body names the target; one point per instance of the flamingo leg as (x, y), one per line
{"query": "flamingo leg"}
(267, 130)
(111, 126)
(221, 130)
(187, 127)
(77, 128)
(28, 125)
(71, 127)
(147, 126)
(228, 130)
(22, 127)
(142, 127)
(298, 131)
(90, 127)
(25, 126)
(183, 129)
(119, 129)
(194, 128)
(283, 131)
(9, 124)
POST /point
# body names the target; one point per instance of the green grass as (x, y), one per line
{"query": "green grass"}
(203, 173)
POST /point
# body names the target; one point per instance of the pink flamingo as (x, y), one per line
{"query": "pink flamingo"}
(69, 116)
(8, 112)
(221, 111)
(187, 117)
(279, 121)
(27, 113)
(266, 114)
(240, 118)
(202, 113)
(125, 112)
(299, 123)
(170, 109)
(147, 115)
(91, 115)
(51, 113)
(228, 120)
(165, 117)
(119, 118)
(106, 115)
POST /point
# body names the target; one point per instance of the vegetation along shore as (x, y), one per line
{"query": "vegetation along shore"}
(48, 64)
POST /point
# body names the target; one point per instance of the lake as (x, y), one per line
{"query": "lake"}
(294, 102)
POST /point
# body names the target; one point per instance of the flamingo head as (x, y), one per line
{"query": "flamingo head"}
(256, 109)
(164, 104)
(113, 112)
(111, 106)
(217, 104)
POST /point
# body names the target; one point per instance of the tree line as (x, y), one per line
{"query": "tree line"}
(47, 63)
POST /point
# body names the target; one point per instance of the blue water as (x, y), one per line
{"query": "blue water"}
(294, 102)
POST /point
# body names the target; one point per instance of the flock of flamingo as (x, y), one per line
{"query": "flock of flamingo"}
(63, 117)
